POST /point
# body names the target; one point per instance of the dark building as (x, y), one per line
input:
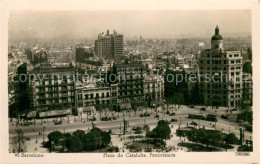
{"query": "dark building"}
(83, 53)
(247, 89)
(130, 81)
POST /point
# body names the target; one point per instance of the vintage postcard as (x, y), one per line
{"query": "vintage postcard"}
(129, 82)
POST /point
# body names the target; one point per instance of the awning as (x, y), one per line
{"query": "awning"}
(125, 106)
(55, 113)
(88, 109)
(31, 114)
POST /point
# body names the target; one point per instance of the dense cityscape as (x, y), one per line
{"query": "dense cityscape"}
(117, 94)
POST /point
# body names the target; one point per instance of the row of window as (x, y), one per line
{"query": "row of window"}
(130, 93)
(220, 62)
(220, 55)
(97, 95)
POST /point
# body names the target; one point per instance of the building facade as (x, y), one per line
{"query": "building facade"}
(108, 46)
(95, 94)
(52, 88)
(130, 82)
(154, 89)
(247, 89)
(83, 53)
(220, 74)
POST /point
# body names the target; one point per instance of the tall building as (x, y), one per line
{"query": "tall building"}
(130, 82)
(109, 46)
(220, 74)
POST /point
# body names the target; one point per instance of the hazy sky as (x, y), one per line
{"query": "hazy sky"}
(155, 24)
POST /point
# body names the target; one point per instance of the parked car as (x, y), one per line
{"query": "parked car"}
(191, 106)
(93, 119)
(224, 116)
(57, 122)
(203, 109)
(172, 114)
(194, 123)
(174, 120)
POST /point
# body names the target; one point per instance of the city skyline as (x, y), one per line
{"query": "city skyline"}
(142, 95)
(148, 24)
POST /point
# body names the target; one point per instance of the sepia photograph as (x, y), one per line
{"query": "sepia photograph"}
(136, 83)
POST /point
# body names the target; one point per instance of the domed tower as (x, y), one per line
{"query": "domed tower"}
(217, 40)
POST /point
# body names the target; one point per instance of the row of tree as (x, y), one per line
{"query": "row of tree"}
(78, 141)
(214, 138)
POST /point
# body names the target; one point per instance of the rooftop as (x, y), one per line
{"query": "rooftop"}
(52, 69)
(123, 65)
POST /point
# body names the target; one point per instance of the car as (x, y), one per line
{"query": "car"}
(93, 119)
(203, 109)
(172, 114)
(194, 123)
(224, 116)
(191, 106)
(57, 122)
(174, 120)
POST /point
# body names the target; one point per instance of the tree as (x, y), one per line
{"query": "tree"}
(19, 140)
(231, 139)
(73, 144)
(245, 148)
(74, 111)
(249, 52)
(93, 139)
(55, 136)
(162, 130)
(146, 128)
(22, 97)
(106, 138)
(247, 67)
(80, 134)
(89, 142)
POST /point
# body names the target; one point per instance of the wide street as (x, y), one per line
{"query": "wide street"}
(69, 125)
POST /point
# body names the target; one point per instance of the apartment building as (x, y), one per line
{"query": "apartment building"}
(220, 74)
(109, 46)
(52, 88)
